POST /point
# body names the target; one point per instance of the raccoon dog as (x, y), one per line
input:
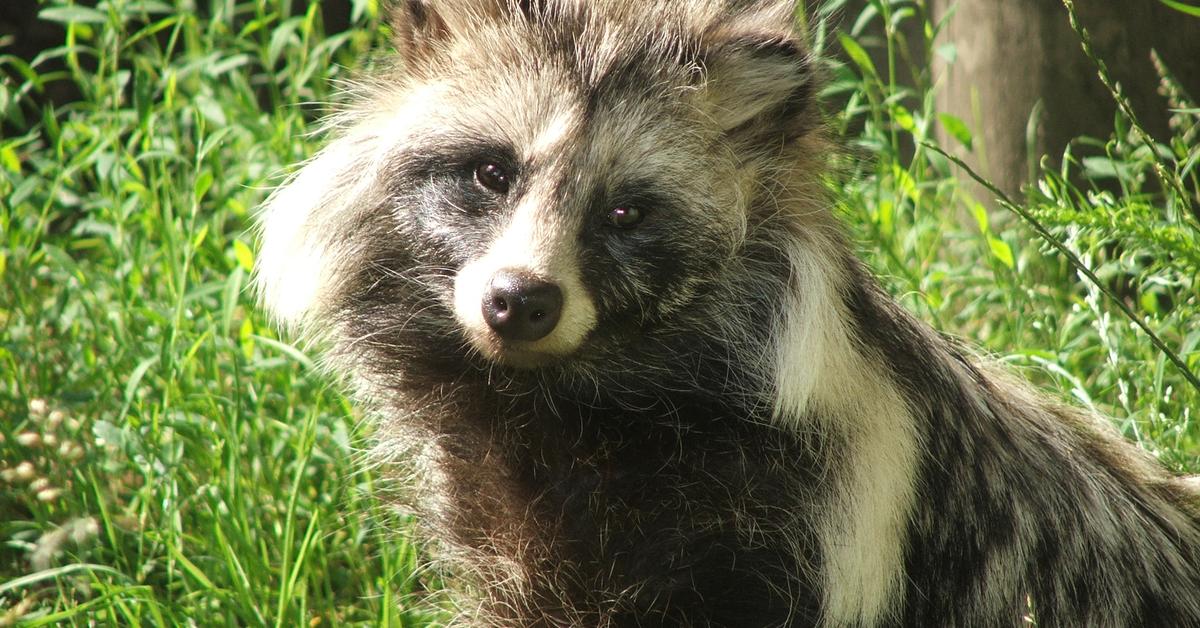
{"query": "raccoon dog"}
(577, 259)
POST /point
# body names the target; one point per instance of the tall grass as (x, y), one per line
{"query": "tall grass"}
(166, 459)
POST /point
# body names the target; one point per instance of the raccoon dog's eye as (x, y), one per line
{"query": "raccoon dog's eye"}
(625, 217)
(492, 176)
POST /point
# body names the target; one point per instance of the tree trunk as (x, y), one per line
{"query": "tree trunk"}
(1013, 54)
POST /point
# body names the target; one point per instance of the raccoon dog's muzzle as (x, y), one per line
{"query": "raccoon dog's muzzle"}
(523, 303)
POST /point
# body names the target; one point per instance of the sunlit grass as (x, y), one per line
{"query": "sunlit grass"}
(165, 458)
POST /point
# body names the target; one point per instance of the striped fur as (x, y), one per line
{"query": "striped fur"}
(732, 425)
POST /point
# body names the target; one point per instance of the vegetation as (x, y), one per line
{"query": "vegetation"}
(166, 458)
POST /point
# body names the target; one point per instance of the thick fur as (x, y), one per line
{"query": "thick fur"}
(731, 425)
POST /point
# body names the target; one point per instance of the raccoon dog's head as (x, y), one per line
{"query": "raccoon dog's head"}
(543, 181)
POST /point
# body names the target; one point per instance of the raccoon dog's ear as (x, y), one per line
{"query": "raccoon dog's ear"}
(759, 74)
(418, 28)
(421, 27)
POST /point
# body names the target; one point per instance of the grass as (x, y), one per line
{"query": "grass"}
(166, 459)
(204, 475)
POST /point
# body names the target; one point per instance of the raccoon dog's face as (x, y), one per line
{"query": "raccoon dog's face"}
(539, 181)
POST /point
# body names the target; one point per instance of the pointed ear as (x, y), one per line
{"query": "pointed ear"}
(422, 27)
(760, 76)
(417, 29)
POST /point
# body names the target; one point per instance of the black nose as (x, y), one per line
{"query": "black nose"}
(519, 306)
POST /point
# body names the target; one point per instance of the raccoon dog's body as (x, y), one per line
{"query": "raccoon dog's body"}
(577, 258)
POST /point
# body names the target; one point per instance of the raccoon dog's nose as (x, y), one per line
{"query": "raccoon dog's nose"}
(519, 306)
